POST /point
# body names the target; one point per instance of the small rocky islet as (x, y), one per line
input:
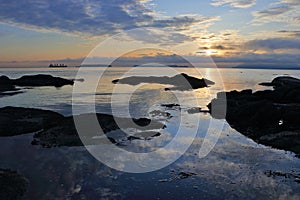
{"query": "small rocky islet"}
(8, 85)
(180, 81)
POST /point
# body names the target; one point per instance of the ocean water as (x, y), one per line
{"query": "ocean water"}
(235, 168)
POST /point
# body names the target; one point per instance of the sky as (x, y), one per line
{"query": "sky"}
(233, 32)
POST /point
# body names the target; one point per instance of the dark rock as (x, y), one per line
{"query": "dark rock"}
(17, 120)
(158, 113)
(8, 85)
(12, 185)
(270, 117)
(170, 105)
(147, 135)
(283, 82)
(294, 176)
(53, 129)
(65, 133)
(180, 82)
(183, 175)
(194, 110)
(41, 80)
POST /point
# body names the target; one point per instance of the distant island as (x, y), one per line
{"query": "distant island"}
(58, 65)
(264, 66)
(173, 66)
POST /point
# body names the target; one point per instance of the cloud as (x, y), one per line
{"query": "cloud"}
(274, 43)
(234, 3)
(90, 17)
(293, 34)
(283, 11)
(182, 22)
(269, 14)
(221, 47)
(252, 58)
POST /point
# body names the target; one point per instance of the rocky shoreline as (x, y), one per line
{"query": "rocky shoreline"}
(269, 117)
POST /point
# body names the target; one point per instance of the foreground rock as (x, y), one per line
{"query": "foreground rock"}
(53, 129)
(270, 117)
(180, 81)
(13, 185)
(8, 85)
(18, 120)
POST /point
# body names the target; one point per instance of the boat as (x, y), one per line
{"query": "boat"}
(58, 65)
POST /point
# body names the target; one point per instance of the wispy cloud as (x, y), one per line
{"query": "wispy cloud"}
(292, 34)
(234, 3)
(286, 11)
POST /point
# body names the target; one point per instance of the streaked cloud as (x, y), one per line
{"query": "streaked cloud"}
(221, 47)
(274, 43)
(267, 59)
(286, 11)
(293, 34)
(234, 3)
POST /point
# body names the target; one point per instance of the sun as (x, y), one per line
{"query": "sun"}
(208, 52)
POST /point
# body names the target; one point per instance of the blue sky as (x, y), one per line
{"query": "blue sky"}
(231, 31)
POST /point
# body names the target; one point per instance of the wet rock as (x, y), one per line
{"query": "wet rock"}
(292, 175)
(283, 82)
(18, 120)
(195, 110)
(13, 185)
(65, 133)
(183, 175)
(180, 81)
(270, 117)
(53, 129)
(147, 135)
(159, 113)
(170, 105)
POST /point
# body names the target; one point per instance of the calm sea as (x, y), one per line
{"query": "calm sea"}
(236, 168)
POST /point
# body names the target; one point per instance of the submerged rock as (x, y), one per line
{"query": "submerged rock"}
(270, 117)
(159, 113)
(180, 81)
(13, 185)
(290, 175)
(196, 110)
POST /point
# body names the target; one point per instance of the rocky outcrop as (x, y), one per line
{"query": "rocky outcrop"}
(270, 117)
(40, 80)
(18, 120)
(53, 129)
(13, 185)
(9, 85)
(180, 82)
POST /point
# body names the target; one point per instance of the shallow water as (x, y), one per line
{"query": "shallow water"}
(236, 167)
